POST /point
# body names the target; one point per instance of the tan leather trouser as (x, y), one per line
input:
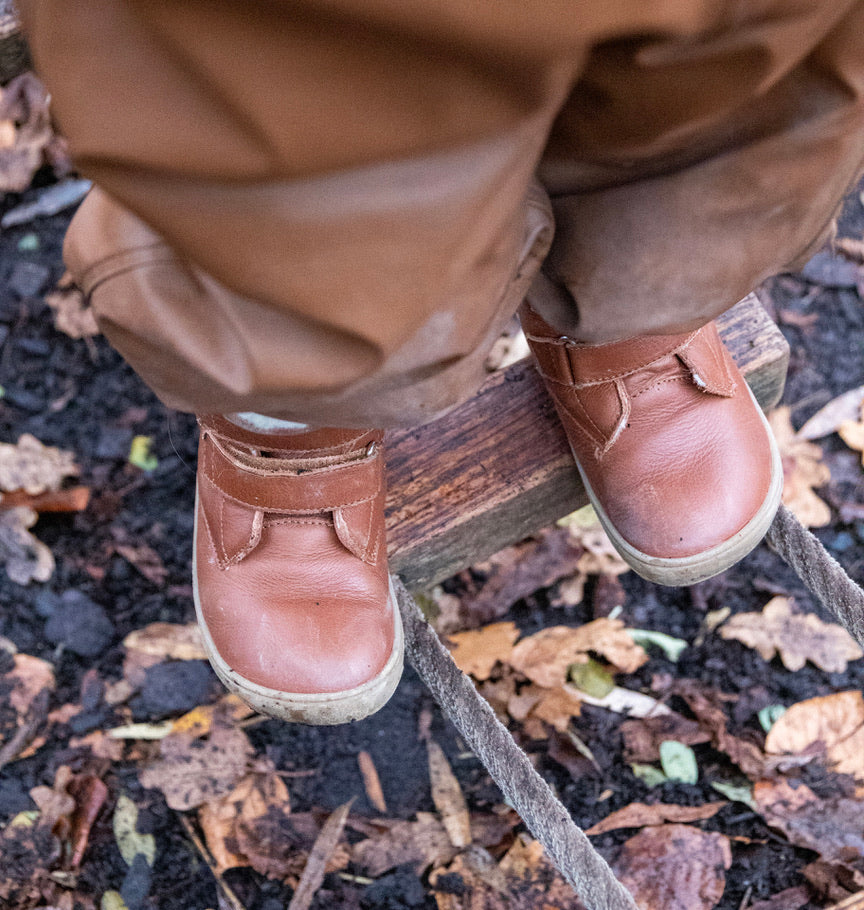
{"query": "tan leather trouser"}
(326, 209)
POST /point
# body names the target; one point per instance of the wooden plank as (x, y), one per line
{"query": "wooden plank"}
(498, 468)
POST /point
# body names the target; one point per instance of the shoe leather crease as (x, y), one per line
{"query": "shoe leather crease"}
(292, 581)
(669, 440)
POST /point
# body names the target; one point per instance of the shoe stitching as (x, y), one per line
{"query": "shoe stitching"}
(219, 562)
(324, 522)
(276, 510)
(595, 382)
(659, 382)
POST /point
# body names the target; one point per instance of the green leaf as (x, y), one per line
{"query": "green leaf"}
(678, 762)
(585, 517)
(113, 900)
(140, 454)
(130, 842)
(769, 716)
(738, 792)
(592, 678)
(670, 646)
(649, 775)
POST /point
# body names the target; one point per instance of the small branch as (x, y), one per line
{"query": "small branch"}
(201, 847)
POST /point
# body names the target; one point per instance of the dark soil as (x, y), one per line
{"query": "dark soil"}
(81, 396)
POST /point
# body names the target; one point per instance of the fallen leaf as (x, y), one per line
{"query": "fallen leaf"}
(525, 879)
(796, 637)
(24, 106)
(192, 771)
(802, 471)
(592, 678)
(674, 867)
(421, 843)
(89, 794)
(679, 762)
(834, 724)
(852, 433)
(640, 815)
(769, 715)
(830, 825)
(448, 797)
(201, 720)
(168, 640)
(546, 657)
(371, 781)
(835, 881)
(555, 707)
(146, 560)
(140, 455)
(788, 899)
(740, 792)
(72, 314)
(129, 841)
(642, 736)
(625, 701)
(703, 702)
(319, 858)
(24, 557)
(33, 467)
(827, 420)
(477, 651)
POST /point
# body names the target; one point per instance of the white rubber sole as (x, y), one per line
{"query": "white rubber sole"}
(688, 570)
(319, 708)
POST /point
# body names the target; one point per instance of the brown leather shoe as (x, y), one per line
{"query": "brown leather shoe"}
(676, 455)
(290, 574)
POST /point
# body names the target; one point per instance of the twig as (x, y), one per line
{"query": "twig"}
(853, 902)
(201, 847)
(316, 865)
(745, 901)
(510, 768)
(25, 733)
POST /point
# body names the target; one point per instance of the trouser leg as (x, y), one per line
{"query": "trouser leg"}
(684, 172)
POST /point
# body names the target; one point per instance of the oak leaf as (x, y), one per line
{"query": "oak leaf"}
(477, 651)
(545, 657)
(168, 640)
(802, 471)
(192, 771)
(833, 724)
(796, 637)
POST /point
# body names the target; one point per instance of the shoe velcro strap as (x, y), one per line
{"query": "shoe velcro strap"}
(316, 490)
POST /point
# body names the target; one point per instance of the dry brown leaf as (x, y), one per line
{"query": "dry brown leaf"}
(674, 867)
(477, 651)
(834, 724)
(146, 560)
(27, 131)
(832, 826)
(640, 815)
(525, 879)
(422, 843)
(802, 471)
(600, 556)
(319, 859)
(840, 409)
(192, 771)
(24, 557)
(852, 433)
(371, 781)
(796, 637)
(168, 640)
(259, 799)
(555, 707)
(28, 677)
(642, 736)
(448, 797)
(788, 899)
(704, 703)
(544, 658)
(33, 467)
(835, 881)
(72, 315)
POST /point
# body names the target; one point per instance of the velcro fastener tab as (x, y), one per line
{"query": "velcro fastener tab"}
(315, 490)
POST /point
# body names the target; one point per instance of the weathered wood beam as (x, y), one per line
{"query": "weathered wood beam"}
(498, 468)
